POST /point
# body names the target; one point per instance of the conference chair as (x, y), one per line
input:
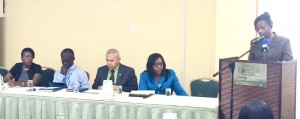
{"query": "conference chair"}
(3, 71)
(205, 88)
(88, 75)
(47, 76)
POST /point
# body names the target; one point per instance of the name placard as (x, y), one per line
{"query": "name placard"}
(250, 74)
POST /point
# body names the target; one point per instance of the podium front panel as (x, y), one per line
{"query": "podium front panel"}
(272, 94)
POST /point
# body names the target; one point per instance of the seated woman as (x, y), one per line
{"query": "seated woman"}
(158, 78)
(256, 110)
(26, 70)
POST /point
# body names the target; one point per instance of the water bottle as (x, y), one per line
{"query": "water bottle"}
(1, 82)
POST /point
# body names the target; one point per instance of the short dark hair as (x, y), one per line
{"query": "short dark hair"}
(67, 50)
(151, 61)
(28, 50)
(256, 110)
(266, 17)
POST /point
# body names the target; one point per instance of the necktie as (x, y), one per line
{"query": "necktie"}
(112, 76)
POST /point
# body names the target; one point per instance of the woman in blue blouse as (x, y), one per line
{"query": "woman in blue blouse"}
(158, 78)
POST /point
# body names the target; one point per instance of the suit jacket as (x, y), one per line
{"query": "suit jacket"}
(279, 50)
(126, 77)
(148, 82)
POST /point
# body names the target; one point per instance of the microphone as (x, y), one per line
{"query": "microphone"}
(257, 39)
(265, 43)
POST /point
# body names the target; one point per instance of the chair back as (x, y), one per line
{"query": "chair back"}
(3, 71)
(47, 77)
(205, 88)
(88, 75)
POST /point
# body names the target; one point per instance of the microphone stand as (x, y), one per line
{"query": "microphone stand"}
(265, 50)
(264, 54)
(231, 65)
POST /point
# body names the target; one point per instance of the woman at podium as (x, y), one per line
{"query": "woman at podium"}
(269, 46)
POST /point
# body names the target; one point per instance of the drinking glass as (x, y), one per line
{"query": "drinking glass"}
(75, 87)
(168, 92)
(30, 85)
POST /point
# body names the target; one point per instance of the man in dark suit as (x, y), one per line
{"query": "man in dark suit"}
(120, 74)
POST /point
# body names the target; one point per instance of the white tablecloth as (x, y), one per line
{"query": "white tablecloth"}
(16, 103)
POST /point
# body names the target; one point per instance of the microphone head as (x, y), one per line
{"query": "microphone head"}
(265, 41)
(257, 39)
(260, 38)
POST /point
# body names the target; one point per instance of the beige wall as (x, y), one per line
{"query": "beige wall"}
(235, 27)
(191, 34)
(200, 40)
(1, 42)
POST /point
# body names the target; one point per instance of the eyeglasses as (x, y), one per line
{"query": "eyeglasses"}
(160, 64)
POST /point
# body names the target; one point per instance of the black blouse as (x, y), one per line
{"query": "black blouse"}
(16, 70)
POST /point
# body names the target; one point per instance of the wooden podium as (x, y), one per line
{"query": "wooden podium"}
(279, 93)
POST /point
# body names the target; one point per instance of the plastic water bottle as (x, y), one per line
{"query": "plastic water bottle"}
(1, 82)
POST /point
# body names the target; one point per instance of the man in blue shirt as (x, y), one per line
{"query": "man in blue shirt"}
(70, 74)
